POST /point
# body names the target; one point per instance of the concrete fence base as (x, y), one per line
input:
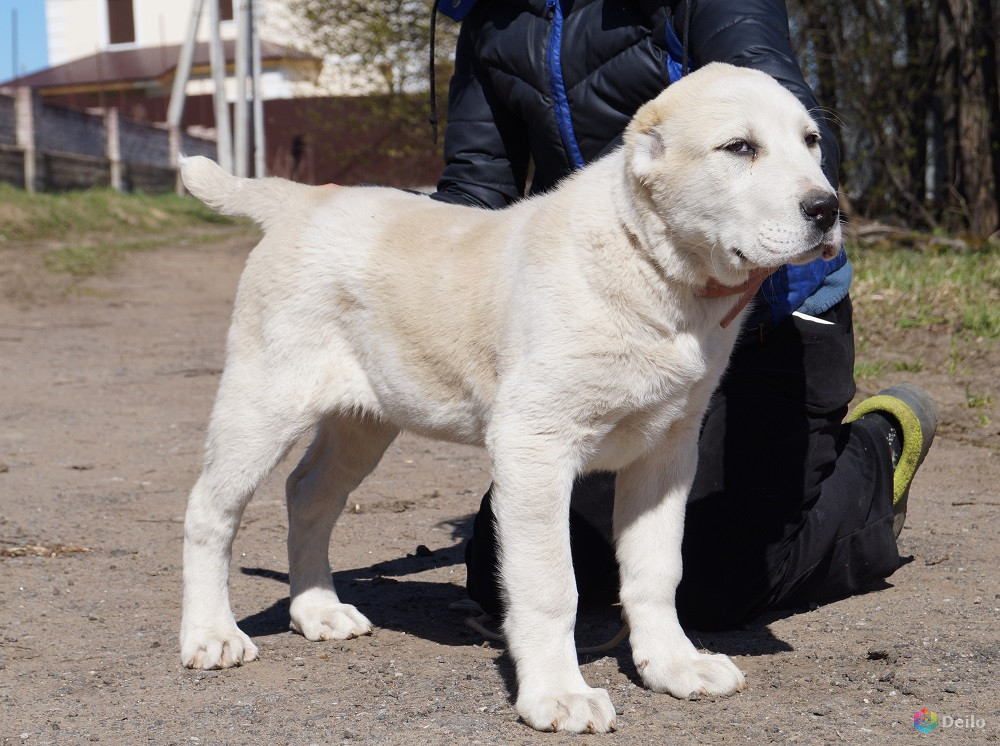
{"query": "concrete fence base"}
(54, 148)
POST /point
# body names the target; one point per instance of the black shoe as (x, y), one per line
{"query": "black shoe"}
(913, 417)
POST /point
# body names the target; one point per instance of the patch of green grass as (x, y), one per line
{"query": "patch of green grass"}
(71, 215)
(908, 367)
(930, 313)
(86, 260)
(925, 288)
(922, 316)
(982, 319)
(82, 261)
(91, 230)
(979, 402)
(89, 259)
(973, 401)
(865, 371)
(955, 359)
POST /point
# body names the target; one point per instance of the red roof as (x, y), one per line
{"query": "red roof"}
(146, 64)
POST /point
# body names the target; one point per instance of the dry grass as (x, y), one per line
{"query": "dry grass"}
(931, 316)
(86, 233)
(958, 291)
(71, 215)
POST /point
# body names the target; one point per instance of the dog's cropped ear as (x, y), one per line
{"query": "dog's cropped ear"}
(644, 150)
(644, 144)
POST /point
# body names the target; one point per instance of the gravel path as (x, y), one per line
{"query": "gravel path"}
(105, 394)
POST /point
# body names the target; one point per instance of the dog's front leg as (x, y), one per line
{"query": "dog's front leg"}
(650, 499)
(533, 478)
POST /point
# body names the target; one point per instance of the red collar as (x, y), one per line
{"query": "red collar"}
(744, 292)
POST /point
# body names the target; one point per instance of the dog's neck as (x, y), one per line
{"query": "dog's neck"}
(656, 238)
(685, 275)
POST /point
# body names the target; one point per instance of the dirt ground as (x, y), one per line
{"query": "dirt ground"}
(105, 391)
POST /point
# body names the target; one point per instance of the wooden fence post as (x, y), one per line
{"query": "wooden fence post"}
(24, 118)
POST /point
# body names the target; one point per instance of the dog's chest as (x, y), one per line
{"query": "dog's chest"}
(662, 386)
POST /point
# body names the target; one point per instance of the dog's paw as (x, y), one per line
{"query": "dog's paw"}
(216, 648)
(589, 711)
(318, 620)
(697, 674)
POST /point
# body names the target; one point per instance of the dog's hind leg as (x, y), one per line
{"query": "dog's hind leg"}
(251, 430)
(344, 451)
(650, 498)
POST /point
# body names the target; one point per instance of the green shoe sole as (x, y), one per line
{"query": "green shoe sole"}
(917, 416)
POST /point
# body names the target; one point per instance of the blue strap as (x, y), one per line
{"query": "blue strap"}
(456, 10)
(558, 87)
(675, 53)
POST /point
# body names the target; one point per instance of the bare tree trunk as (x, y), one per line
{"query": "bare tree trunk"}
(919, 76)
(824, 28)
(986, 52)
(948, 95)
(978, 186)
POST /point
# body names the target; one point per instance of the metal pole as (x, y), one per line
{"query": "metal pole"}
(259, 153)
(241, 111)
(183, 71)
(13, 43)
(223, 133)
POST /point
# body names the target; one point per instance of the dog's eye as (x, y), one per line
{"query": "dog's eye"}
(741, 147)
(812, 139)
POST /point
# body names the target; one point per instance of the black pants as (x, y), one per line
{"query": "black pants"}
(788, 505)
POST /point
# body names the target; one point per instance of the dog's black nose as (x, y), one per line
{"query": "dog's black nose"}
(822, 208)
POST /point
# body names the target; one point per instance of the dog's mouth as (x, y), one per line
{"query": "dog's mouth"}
(825, 249)
(828, 250)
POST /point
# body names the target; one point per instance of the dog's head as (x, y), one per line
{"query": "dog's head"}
(728, 162)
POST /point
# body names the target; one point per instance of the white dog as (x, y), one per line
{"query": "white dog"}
(567, 333)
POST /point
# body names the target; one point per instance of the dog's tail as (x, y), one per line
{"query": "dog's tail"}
(262, 200)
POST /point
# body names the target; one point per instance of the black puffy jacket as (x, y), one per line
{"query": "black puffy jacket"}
(556, 81)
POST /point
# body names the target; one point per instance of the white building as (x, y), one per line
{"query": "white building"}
(78, 28)
(82, 28)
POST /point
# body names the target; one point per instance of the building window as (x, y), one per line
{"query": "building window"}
(121, 22)
(225, 10)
